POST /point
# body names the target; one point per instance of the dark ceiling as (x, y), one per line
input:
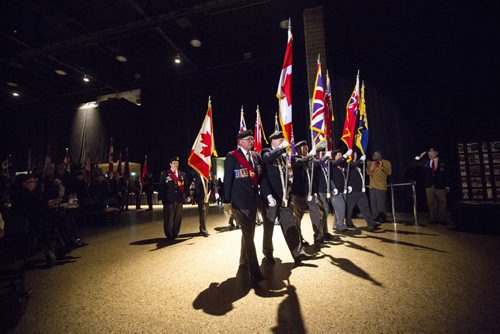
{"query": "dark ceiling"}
(85, 37)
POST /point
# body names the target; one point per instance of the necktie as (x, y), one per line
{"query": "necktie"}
(433, 167)
(249, 158)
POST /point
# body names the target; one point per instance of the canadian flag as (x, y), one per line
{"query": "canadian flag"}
(284, 93)
(258, 133)
(203, 147)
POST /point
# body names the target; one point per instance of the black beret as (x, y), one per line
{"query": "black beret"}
(320, 149)
(173, 159)
(335, 151)
(300, 144)
(244, 134)
(276, 135)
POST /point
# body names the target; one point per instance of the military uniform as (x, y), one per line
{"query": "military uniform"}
(203, 206)
(337, 192)
(172, 194)
(242, 173)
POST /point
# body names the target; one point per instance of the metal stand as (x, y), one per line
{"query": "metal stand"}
(414, 198)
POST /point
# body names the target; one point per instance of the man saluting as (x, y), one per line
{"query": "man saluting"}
(242, 169)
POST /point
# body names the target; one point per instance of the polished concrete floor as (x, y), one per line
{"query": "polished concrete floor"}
(129, 279)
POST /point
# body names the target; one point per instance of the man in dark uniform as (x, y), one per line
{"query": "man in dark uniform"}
(242, 172)
(202, 200)
(275, 190)
(356, 195)
(172, 195)
(303, 195)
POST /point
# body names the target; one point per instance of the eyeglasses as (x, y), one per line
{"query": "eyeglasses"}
(248, 138)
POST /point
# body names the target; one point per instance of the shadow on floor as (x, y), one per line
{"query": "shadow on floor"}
(404, 243)
(161, 242)
(223, 229)
(290, 318)
(348, 266)
(410, 232)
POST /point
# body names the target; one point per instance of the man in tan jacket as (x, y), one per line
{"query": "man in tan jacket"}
(378, 170)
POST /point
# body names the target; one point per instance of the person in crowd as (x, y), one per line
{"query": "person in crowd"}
(321, 180)
(172, 194)
(136, 188)
(276, 192)
(356, 195)
(100, 190)
(378, 170)
(79, 187)
(147, 188)
(62, 174)
(125, 185)
(303, 195)
(436, 180)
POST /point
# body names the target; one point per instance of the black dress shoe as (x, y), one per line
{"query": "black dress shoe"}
(302, 256)
(350, 225)
(327, 236)
(374, 228)
(204, 233)
(345, 231)
(304, 243)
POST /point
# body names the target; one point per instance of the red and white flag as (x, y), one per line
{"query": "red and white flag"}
(243, 124)
(144, 169)
(111, 156)
(284, 93)
(258, 133)
(200, 157)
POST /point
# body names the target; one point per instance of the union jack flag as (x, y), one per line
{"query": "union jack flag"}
(318, 110)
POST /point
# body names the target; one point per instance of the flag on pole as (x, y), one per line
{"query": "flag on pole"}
(318, 110)
(352, 110)
(29, 164)
(284, 93)
(243, 124)
(110, 156)
(362, 135)
(144, 171)
(119, 168)
(200, 158)
(67, 161)
(276, 125)
(258, 132)
(126, 171)
(329, 118)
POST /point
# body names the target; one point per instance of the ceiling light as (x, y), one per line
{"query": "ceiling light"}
(11, 84)
(177, 59)
(86, 78)
(121, 59)
(16, 94)
(195, 42)
(60, 72)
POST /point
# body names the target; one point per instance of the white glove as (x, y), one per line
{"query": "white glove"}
(312, 153)
(328, 154)
(349, 189)
(348, 153)
(217, 196)
(363, 158)
(284, 144)
(271, 200)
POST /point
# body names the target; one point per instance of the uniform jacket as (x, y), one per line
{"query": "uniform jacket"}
(355, 176)
(439, 178)
(271, 184)
(239, 190)
(170, 192)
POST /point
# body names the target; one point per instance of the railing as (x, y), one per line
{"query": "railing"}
(414, 197)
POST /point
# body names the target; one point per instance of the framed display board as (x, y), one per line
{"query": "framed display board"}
(479, 165)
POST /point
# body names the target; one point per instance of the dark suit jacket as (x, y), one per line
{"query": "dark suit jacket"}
(300, 167)
(355, 176)
(239, 190)
(170, 192)
(439, 178)
(272, 179)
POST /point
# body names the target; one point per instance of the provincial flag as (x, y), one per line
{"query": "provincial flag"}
(352, 110)
(284, 93)
(362, 135)
(329, 118)
(200, 158)
(258, 133)
(318, 110)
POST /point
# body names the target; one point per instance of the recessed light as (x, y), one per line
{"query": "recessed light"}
(60, 72)
(195, 42)
(16, 94)
(86, 78)
(121, 59)
(177, 59)
(11, 84)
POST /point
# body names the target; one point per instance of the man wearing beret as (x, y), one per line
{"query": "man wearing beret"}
(172, 194)
(303, 192)
(242, 173)
(276, 191)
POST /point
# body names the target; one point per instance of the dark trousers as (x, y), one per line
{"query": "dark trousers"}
(138, 200)
(288, 227)
(359, 198)
(248, 256)
(202, 211)
(149, 198)
(172, 218)
(300, 205)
